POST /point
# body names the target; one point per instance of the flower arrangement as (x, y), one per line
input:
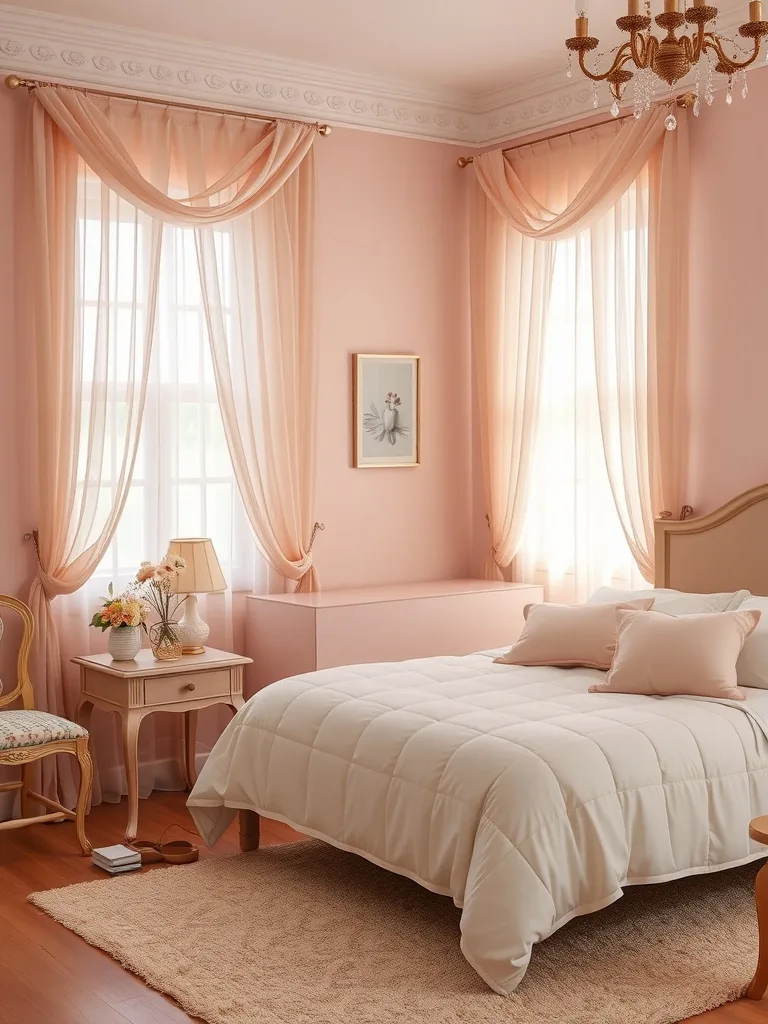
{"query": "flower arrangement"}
(154, 586)
(154, 583)
(123, 611)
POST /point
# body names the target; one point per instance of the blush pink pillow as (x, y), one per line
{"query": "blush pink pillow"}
(695, 655)
(569, 636)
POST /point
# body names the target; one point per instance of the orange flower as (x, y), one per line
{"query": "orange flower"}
(115, 612)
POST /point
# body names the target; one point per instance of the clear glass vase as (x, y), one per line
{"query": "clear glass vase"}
(165, 641)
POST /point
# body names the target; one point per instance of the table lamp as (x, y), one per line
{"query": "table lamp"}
(203, 576)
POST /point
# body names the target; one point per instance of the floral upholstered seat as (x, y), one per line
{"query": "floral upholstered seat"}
(34, 728)
(27, 735)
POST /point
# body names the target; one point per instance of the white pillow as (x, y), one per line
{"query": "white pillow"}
(674, 602)
(752, 666)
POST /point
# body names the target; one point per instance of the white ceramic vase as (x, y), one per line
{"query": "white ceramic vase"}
(124, 643)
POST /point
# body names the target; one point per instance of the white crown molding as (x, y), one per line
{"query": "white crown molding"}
(58, 48)
(83, 52)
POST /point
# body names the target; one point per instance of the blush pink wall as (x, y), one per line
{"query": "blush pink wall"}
(16, 557)
(392, 278)
(729, 353)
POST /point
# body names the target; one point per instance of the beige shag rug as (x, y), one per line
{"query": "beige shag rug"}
(305, 934)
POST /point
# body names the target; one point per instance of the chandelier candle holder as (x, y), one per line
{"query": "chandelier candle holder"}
(652, 59)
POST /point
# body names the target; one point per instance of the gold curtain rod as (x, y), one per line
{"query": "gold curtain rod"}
(16, 82)
(685, 100)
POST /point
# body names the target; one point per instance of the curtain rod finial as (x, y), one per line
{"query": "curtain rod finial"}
(13, 81)
(323, 129)
(464, 161)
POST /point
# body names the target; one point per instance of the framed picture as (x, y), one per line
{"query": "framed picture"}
(386, 410)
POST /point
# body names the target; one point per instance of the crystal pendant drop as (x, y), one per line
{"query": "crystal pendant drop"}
(744, 86)
(615, 108)
(729, 94)
(595, 96)
(670, 122)
(569, 72)
(696, 107)
(709, 86)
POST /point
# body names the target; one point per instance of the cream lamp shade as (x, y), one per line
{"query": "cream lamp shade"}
(203, 575)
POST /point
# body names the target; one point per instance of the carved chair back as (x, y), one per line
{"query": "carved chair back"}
(23, 688)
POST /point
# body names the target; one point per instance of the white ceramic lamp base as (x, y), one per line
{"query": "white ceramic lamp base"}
(193, 632)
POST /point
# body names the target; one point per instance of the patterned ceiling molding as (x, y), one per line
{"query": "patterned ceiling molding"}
(65, 49)
(47, 46)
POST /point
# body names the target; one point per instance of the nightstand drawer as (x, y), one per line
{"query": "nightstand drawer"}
(186, 686)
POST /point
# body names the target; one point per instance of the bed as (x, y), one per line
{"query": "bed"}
(512, 790)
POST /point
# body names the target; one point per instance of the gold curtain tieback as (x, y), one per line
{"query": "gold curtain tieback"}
(315, 528)
(34, 537)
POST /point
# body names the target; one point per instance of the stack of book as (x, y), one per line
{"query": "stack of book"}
(116, 859)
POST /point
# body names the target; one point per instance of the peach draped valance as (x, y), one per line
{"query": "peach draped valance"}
(258, 169)
(590, 179)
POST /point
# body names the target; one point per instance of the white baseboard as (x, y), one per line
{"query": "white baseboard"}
(167, 774)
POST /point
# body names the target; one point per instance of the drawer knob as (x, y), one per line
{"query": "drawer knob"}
(190, 686)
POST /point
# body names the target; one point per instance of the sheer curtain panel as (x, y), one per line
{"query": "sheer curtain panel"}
(629, 299)
(199, 170)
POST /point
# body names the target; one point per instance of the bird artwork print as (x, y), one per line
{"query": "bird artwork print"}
(385, 426)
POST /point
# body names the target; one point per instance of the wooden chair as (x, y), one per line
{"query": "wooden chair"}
(27, 735)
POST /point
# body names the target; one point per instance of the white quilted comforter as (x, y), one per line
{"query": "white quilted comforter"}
(512, 790)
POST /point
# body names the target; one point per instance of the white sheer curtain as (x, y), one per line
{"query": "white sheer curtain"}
(573, 541)
(97, 313)
(584, 404)
(183, 483)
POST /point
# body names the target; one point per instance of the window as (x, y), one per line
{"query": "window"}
(183, 482)
(573, 541)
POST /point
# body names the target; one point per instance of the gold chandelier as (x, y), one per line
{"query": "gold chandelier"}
(670, 58)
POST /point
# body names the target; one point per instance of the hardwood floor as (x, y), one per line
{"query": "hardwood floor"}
(48, 975)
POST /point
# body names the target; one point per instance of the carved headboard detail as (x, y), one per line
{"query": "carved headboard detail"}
(722, 551)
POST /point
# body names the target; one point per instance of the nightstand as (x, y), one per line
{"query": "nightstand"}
(135, 689)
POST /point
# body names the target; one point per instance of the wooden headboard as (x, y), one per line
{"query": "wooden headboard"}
(722, 551)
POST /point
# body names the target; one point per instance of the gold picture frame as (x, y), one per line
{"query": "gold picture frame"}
(386, 410)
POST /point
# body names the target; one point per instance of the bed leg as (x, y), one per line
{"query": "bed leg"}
(760, 981)
(249, 831)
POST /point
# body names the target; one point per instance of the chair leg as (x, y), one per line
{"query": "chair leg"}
(84, 793)
(27, 771)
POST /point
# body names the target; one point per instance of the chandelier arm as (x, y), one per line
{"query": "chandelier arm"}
(620, 59)
(701, 35)
(638, 46)
(694, 47)
(651, 49)
(712, 42)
